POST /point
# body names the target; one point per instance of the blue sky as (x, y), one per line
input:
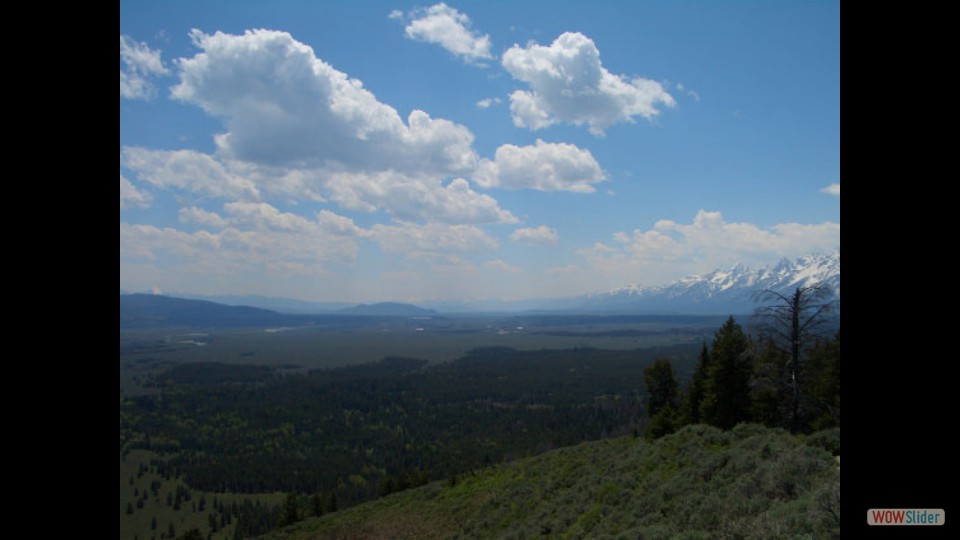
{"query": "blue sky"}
(363, 151)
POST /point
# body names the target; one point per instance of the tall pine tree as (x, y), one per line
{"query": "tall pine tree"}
(822, 382)
(316, 504)
(690, 408)
(726, 400)
(662, 394)
(290, 513)
(661, 382)
(769, 386)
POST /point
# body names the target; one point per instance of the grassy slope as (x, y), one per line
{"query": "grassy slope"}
(752, 482)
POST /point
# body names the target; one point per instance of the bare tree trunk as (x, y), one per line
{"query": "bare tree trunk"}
(795, 360)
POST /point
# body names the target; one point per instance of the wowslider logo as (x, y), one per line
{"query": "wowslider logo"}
(904, 516)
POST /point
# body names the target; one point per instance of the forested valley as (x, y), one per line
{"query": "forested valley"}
(244, 449)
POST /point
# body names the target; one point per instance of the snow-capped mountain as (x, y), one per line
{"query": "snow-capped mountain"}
(722, 291)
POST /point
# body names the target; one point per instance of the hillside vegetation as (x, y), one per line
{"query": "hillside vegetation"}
(700, 482)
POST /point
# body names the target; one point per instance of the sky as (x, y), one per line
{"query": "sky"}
(391, 150)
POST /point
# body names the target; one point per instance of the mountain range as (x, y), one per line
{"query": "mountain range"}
(721, 291)
(154, 310)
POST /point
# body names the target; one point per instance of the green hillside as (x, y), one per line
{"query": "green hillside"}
(701, 482)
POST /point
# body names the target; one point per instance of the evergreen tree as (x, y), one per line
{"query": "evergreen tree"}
(290, 514)
(662, 423)
(316, 504)
(769, 386)
(661, 382)
(662, 394)
(690, 408)
(823, 382)
(726, 400)
(333, 505)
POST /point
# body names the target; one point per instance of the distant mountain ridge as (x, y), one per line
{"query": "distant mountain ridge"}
(721, 291)
(388, 309)
(152, 310)
(280, 305)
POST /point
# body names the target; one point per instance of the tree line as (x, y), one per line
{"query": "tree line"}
(788, 376)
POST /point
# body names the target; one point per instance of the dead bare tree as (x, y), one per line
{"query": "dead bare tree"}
(792, 320)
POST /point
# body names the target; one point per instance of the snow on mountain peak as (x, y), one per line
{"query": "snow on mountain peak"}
(724, 291)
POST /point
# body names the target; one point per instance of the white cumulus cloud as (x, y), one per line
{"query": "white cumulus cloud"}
(543, 166)
(193, 214)
(410, 198)
(568, 83)
(284, 106)
(832, 189)
(140, 63)
(187, 170)
(339, 225)
(131, 196)
(539, 236)
(298, 128)
(250, 235)
(447, 27)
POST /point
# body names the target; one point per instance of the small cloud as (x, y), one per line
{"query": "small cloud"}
(447, 27)
(140, 63)
(540, 236)
(832, 189)
(487, 102)
(131, 196)
(395, 14)
(683, 89)
(500, 265)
